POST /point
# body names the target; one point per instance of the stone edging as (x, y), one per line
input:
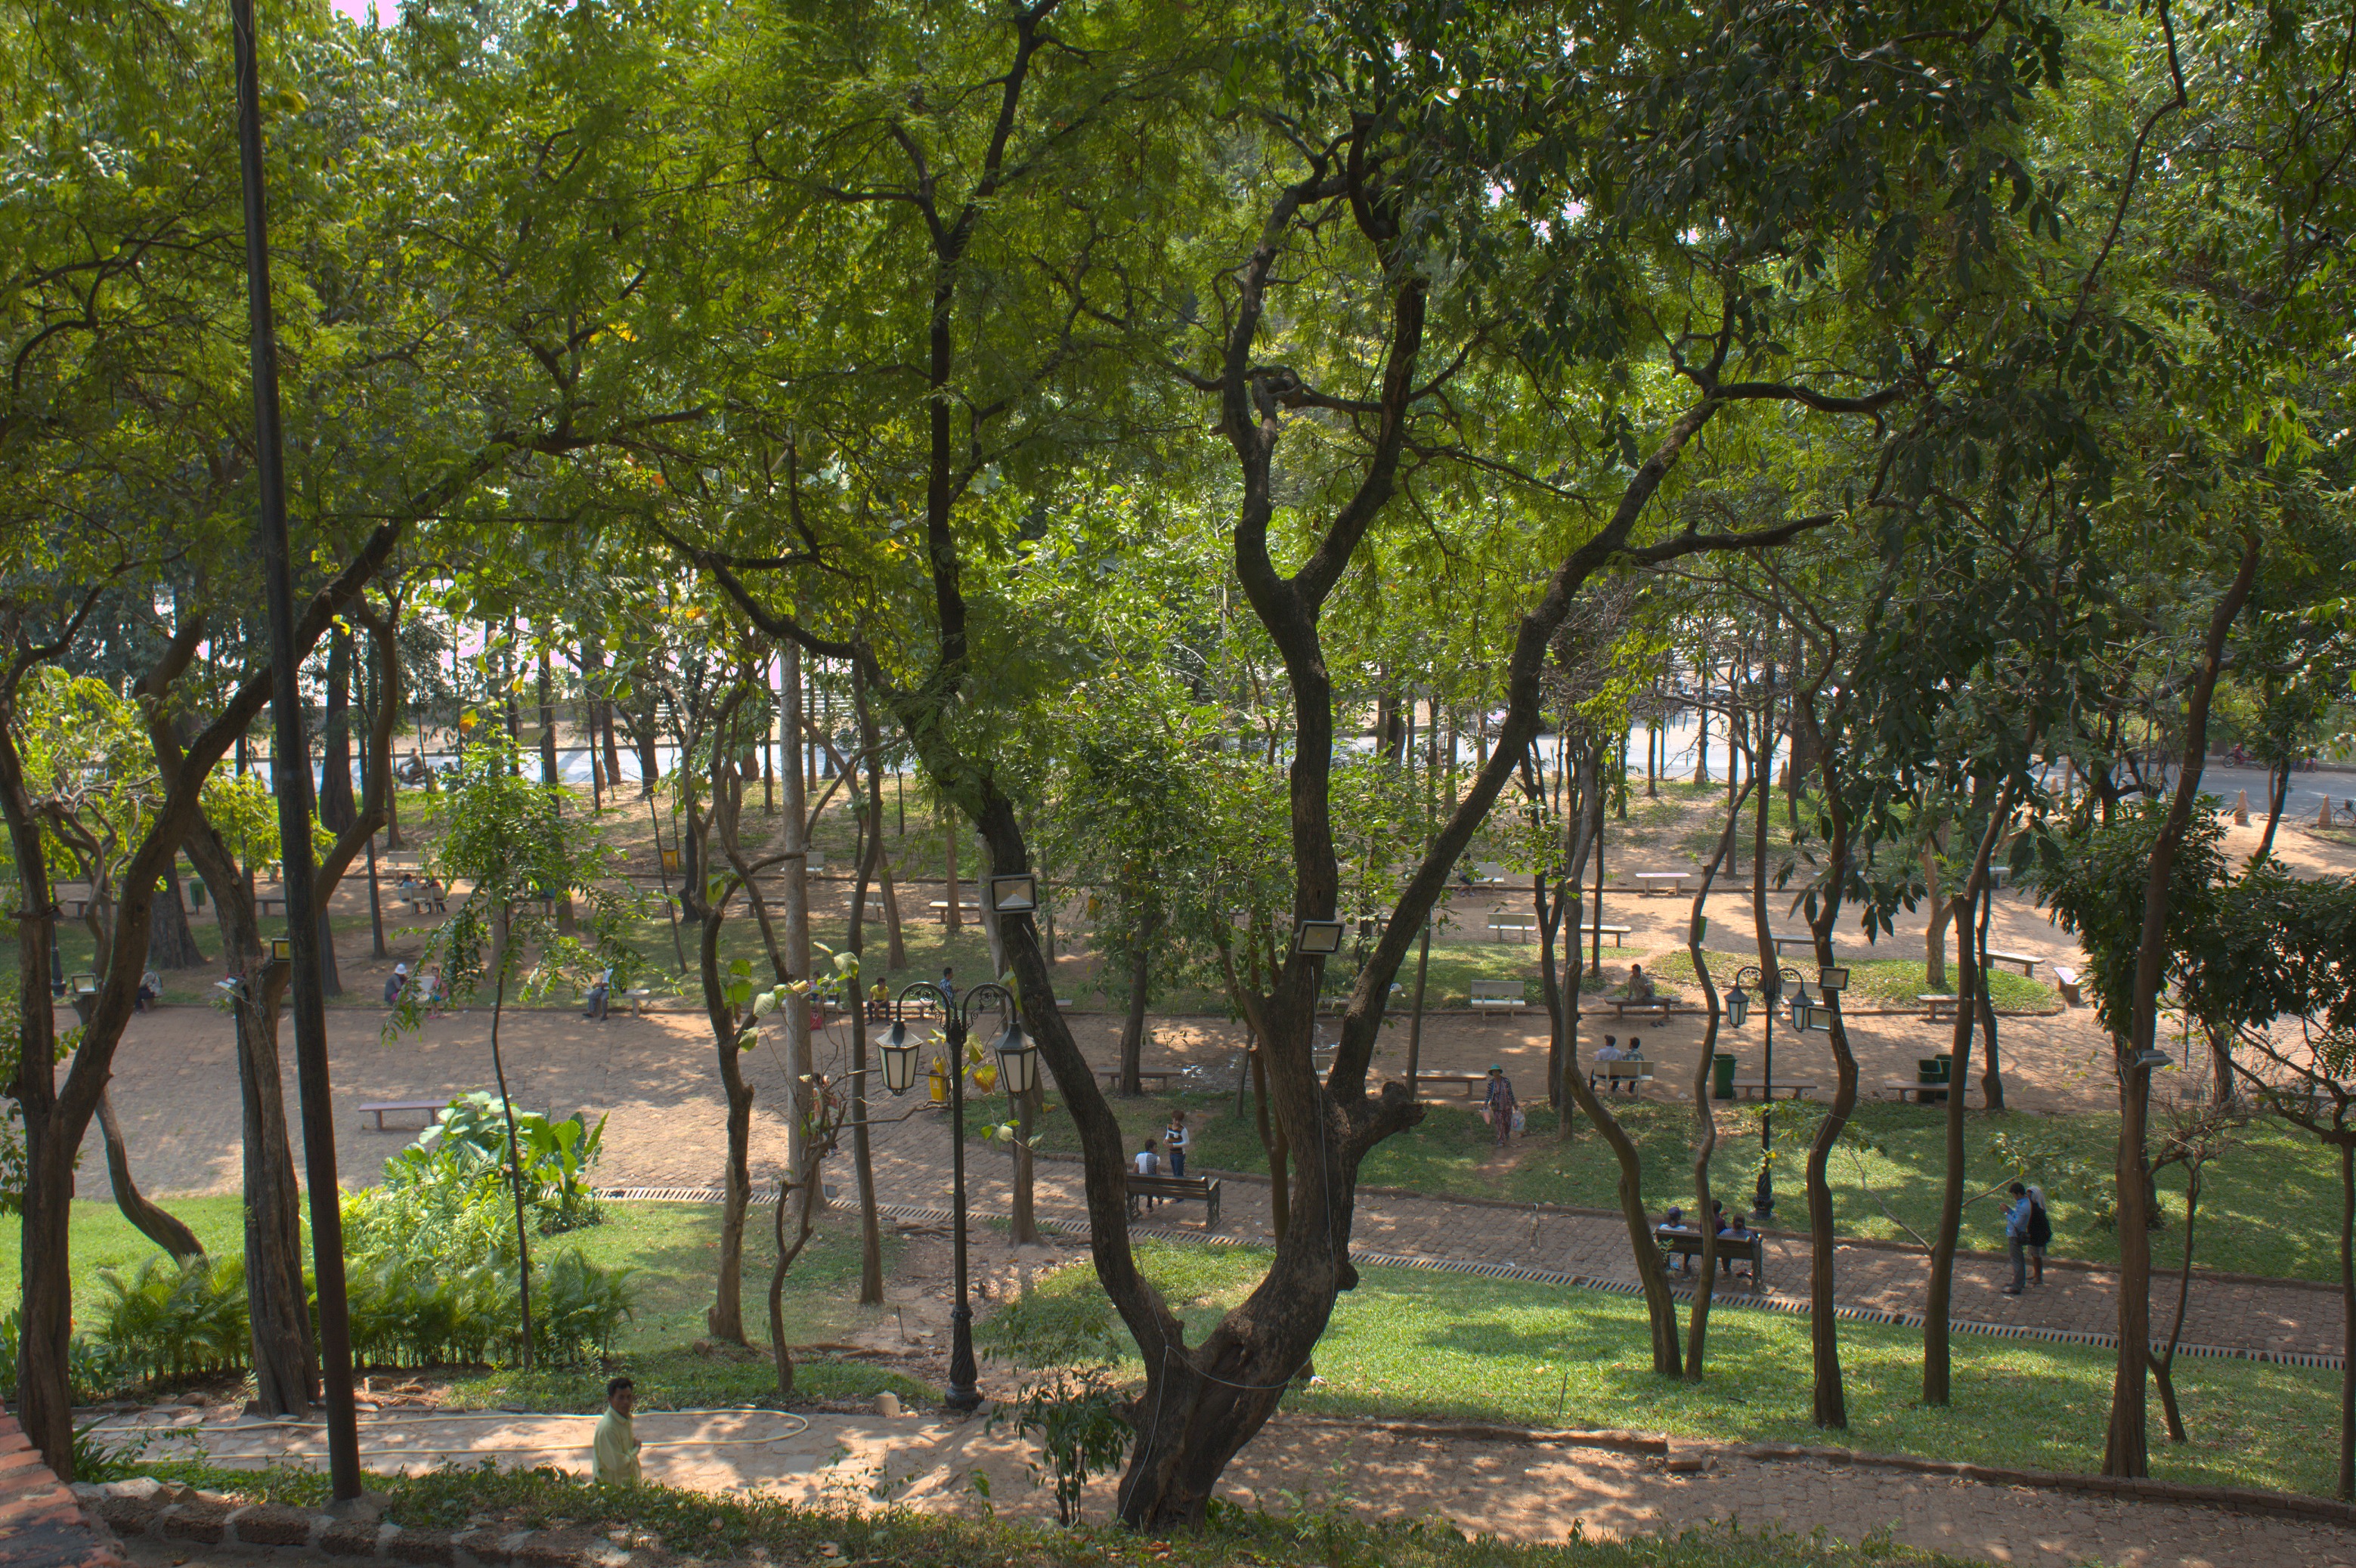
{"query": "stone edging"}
(149, 1508)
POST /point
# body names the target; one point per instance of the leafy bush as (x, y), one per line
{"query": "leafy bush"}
(1070, 1341)
(170, 1317)
(467, 1145)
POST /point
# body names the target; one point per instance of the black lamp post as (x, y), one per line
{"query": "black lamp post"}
(1770, 988)
(1018, 1070)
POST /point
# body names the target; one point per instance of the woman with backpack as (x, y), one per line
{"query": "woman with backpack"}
(2040, 1234)
(2027, 1229)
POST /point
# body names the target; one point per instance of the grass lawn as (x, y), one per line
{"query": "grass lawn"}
(2258, 1209)
(1410, 1342)
(673, 1249)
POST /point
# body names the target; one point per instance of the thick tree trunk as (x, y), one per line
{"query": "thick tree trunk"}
(950, 917)
(1992, 1074)
(515, 1165)
(549, 774)
(2279, 778)
(870, 1230)
(1705, 1118)
(2347, 1489)
(797, 925)
(2127, 1445)
(170, 944)
(1934, 931)
(1939, 1302)
(896, 953)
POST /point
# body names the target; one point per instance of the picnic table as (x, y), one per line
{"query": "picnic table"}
(1756, 1088)
(1651, 882)
(383, 1108)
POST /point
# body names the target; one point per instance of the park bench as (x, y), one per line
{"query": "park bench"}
(1683, 1244)
(1498, 994)
(1938, 1005)
(2028, 961)
(268, 903)
(639, 998)
(1632, 1071)
(1651, 882)
(965, 906)
(1160, 1076)
(2065, 980)
(1203, 1190)
(1793, 939)
(1918, 1092)
(1654, 1004)
(1472, 1082)
(1524, 926)
(1589, 931)
(1756, 1088)
(382, 1108)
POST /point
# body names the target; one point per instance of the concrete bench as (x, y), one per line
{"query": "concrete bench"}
(1654, 1004)
(1756, 1088)
(1471, 1081)
(1588, 932)
(380, 1109)
(2066, 981)
(1498, 994)
(1651, 882)
(1790, 939)
(1524, 926)
(1914, 1089)
(1160, 1076)
(1938, 1005)
(2028, 961)
(1203, 1190)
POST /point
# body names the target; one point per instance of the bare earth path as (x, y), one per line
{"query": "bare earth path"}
(1531, 1492)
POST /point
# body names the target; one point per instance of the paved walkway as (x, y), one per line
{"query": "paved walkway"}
(41, 1526)
(913, 1168)
(1520, 1491)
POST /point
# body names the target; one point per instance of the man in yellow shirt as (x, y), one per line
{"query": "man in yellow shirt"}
(617, 1445)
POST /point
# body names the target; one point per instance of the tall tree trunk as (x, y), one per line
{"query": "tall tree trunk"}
(338, 807)
(1934, 931)
(870, 1230)
(798, 927)
(515, 1160)
(950, 917)
(2126, 1445)
(1132, 1024)
(1705, 1118)
(1939, 1303)
(1992, 1073)
(549, 774)
(2347, 1488)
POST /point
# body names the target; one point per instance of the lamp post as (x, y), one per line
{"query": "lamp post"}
(1770, 984)
(1017, 1069)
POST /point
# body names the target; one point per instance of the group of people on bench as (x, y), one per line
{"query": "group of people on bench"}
(1730, 1228)
(1150, 1158)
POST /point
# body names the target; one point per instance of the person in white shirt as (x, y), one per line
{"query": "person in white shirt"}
(1149, 1163)
(1174, 1138)
(1610, 1051)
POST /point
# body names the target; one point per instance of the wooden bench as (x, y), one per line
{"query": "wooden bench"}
(1683, 1243)
(263, 903)
(965, 906)
(1632, 1071)
(1620, 1006)
(1472, 1082)
(1614, 931)
(1756, 1088)
(1525, 926)
(1938, 1006)
(1203, 1190)
(2065, 980)
(1788, 939)
(2028, 961)
(1651, 882)
(1916, 1090)
(1159, 1075)
(1498, 994)
(428, 1108)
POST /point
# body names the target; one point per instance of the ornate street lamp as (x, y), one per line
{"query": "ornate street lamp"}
(1770, 986)
(1017, 1066)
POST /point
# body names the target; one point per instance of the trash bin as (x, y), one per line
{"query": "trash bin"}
(1946, 1061)
(1721, 1076)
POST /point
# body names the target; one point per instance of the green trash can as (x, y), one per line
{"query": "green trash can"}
(1946, 1059)
(1721, 1076)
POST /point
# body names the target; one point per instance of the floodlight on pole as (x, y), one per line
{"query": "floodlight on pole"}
(1321, 937)
(1016, 893)
(1833, 977)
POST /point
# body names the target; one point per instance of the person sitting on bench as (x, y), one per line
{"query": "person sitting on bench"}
(600, 990)
(1733, 1230)
(1675, 1220)
(1640, 984)
(1610, 1051)
(396, 983)
(1635, 1052)
(1149, 1163)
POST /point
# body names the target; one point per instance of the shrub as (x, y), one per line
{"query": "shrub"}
(170, 1317)
(467, 1146)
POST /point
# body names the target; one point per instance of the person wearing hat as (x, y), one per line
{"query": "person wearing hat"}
(397, 982)
(1498, 1104)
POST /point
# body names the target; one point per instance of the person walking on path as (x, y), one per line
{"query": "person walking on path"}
(618, 1442)
(1498, 1104)
(1175, 1140)
(2040, 1234)
(2016, 1237)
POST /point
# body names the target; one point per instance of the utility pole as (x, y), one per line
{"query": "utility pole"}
(290, 761)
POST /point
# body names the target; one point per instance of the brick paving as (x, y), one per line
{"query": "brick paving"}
(41, 1526)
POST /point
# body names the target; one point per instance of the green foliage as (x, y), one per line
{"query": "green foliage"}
(169, 1318)
(467, 1146)
(1069, 1342)
(2094, 882)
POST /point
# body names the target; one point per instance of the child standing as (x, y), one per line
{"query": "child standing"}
(1174, 1139)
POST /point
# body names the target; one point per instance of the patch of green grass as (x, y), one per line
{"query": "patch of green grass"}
(678, 1378)
(2257, 1208)
(1411, 1342)
(716, 1526)
(673, 1250)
